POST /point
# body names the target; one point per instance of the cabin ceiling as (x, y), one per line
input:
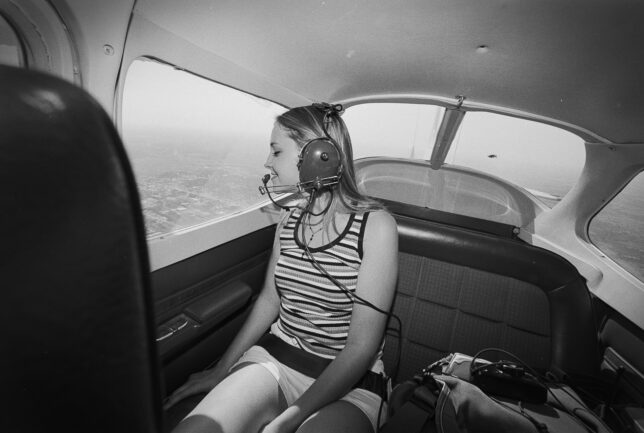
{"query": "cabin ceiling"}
(577, 61)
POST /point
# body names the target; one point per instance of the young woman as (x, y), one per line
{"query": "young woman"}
(329, 285)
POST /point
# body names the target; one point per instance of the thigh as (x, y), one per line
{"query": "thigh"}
(244, 401)
(338, 417)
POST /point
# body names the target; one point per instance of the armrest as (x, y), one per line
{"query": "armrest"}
(220, 304)
(198, 319)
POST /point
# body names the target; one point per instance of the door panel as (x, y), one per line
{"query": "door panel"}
(201, 316)
(201, 302)
(623, 371)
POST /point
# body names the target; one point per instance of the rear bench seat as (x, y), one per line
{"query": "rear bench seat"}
(462, 289)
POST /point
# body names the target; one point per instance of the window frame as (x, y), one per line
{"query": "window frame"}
(23, 59)
(47, 42)
(170, 248)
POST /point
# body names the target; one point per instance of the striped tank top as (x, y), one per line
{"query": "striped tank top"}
(314, 312)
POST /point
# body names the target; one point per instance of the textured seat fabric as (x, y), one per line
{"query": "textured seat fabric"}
(462, 291)
(78, 350)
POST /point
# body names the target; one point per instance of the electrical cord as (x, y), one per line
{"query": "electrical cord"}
(341, 286)
(356, 299)
(331, 110)
(540, 379)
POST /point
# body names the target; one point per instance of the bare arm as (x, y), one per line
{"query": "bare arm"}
(262, 315)
(376, 284)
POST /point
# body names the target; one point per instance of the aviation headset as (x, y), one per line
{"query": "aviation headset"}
(319, 161)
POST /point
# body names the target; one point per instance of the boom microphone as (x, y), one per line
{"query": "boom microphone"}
(279, 189)
(265, 189)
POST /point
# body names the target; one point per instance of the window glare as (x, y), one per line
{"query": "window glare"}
(392, 129)
(618, 229)
(197, 147)
(541, 158)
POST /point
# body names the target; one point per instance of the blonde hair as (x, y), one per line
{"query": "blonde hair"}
(303, 124)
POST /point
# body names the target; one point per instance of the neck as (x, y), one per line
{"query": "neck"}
(321, 202)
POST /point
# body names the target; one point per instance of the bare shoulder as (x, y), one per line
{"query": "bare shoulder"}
(381, 220)
(381, 230)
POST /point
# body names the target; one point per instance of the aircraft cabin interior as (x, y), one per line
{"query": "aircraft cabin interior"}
(505, 138)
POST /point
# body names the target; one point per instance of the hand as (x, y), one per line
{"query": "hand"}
(197, 383)
(276, 427)
(286, 422)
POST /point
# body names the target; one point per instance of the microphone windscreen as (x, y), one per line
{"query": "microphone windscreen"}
(266, 178)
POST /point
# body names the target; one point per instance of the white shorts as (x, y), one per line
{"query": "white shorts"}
(293, 384)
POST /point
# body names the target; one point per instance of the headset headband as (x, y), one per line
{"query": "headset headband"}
(320, 159)
(328, 110)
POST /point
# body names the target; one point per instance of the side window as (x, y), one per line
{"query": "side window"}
(618, 229)
(543, 159)
(11, 52)
(197, 147)
(393, 129)
(493, 159)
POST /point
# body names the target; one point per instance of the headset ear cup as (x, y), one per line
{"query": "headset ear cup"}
(320, 159)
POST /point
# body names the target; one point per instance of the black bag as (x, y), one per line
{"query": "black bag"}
(445, 398)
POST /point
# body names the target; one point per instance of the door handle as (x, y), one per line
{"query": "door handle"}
(171, 327)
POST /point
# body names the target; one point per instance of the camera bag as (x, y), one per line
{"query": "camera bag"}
(445, 398)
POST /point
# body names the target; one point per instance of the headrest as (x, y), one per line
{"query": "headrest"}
(77, 323)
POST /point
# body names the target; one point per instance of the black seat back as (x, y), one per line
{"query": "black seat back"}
(460, 290)
(76, 325)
